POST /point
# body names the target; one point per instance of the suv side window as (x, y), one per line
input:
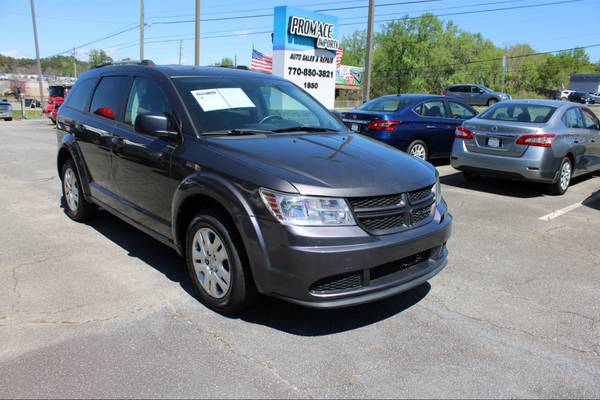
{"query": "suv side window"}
(590, 120)
(80, 94)
(432, 108)
(572, 118)
(459, 111)
(145, 97)
(108, 96)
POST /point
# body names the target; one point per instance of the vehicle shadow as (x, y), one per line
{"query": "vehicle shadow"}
(303, 321)
(593, 201)
(270, 312)
(504, 187)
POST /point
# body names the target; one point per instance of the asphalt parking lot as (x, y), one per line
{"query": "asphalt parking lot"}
(101, 310)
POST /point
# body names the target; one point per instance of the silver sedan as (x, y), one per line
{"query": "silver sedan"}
(536, 140)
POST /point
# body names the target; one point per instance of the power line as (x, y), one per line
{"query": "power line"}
(271, 14)
(108, 36)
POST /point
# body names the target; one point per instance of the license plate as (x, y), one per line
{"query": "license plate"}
(354, 127)
(493, 142)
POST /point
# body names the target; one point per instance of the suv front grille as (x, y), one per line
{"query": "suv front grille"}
(381, 215)
(375, 202)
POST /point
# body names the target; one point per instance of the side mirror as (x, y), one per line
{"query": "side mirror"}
(157, 125)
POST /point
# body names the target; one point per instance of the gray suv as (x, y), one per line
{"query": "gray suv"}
(476, 95)
(545, 141)
(5, 110)
(254, 182)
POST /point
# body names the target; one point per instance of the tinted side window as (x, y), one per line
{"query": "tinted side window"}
(590, 120)
(459, 111)
(572, 119)
(454, 89)
(434, 108)
(145, 97)
(109, 96)
(78, 96)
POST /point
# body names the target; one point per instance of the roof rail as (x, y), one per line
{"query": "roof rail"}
(148, 63)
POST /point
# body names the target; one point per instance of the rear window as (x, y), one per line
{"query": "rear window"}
(386, 104)
(108, 96)
(80, 94)
(531, 113)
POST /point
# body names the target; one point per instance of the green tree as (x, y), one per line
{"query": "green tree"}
(97, 57)
(225, 62)
(354, 48)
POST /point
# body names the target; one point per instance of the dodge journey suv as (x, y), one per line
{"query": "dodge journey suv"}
(258, 186)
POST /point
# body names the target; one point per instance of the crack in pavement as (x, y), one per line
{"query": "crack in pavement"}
(264, 364)
(439, 301)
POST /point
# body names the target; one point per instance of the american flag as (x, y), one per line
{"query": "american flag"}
(261, 62)
(338, 57)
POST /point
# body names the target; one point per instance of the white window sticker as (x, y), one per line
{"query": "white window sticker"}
(222, 99)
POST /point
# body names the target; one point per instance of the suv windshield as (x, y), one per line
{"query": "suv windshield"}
(242, 104)
(54, 91)
(519, 113)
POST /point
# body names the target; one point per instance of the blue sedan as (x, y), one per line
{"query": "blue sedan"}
(421, 125)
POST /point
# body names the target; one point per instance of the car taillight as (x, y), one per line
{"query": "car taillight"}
(383, 125)
(544, 140)
(463, 133)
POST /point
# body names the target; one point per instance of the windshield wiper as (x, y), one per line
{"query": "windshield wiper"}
(305, 129)
(239, 132)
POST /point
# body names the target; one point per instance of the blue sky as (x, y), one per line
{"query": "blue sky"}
(64, 24)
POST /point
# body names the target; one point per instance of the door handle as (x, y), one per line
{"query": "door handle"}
(430, 126)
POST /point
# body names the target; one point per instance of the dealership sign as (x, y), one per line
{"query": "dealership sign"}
(304, 46)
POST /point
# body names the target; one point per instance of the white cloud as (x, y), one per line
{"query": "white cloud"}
(11, 53)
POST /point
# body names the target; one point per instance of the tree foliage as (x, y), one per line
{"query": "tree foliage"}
(427, 54)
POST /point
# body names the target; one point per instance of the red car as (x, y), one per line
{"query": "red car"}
(56, 96)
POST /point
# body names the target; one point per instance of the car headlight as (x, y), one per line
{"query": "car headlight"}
(292, 209)
(436, 189)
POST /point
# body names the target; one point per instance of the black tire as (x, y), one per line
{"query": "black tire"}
(470, 176)
(491, 102)
(8, 119)
(241, 293)
(83, 210)
(559, 188)
(414, 146)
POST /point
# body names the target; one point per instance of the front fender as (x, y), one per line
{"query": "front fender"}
(231, 197)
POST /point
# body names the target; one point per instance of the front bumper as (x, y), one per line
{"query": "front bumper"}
(536, 164)
(301, 257)
(5, 114)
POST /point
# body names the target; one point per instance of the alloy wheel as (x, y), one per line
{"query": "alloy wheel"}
(565, 175)
(211, 263)
(418, 151)
(71, 188)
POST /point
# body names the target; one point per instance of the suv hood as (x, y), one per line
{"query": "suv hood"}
(344, 165)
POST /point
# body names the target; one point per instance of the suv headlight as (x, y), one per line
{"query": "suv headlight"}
(292, 209)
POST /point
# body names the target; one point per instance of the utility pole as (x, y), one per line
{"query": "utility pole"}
(503, 71)
(74, 64)
(37, 53)
(197, 56)
(235, 60)
(368, 58)
(180, 51)
(141, 30)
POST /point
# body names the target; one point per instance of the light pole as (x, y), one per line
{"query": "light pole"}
(37, 52)
(369, 55)
(197, 56)
(141, 30)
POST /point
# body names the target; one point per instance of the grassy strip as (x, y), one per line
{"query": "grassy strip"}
(29, 113)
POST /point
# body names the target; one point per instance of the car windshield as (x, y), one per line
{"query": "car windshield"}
(486, 89)
(533, 113)
(385, 104)
(243, 105)
(56, 91)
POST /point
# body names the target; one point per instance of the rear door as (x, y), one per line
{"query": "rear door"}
(141, 163)
(579, 138)
(435, 126)
(94, 133)
(592, 125)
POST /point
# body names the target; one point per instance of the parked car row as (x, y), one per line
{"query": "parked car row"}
(536, 140)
